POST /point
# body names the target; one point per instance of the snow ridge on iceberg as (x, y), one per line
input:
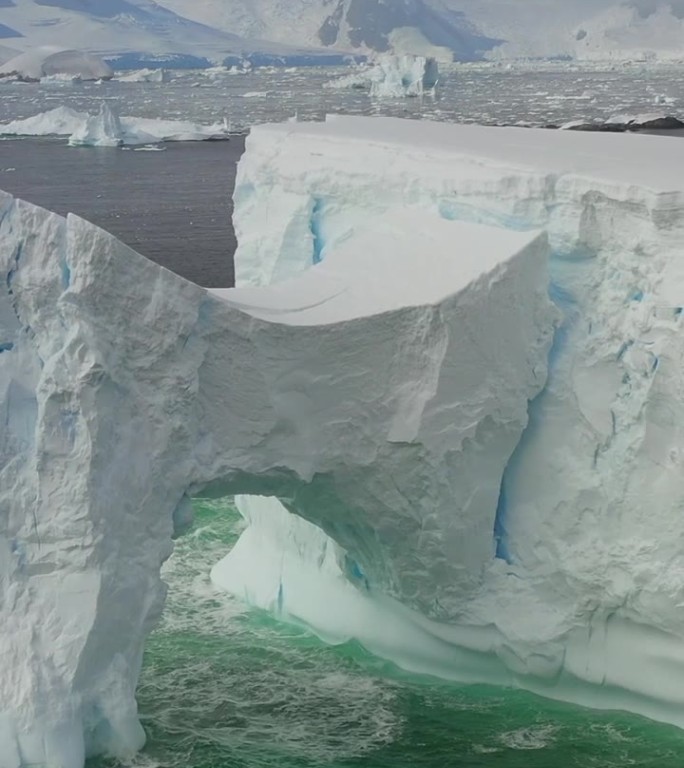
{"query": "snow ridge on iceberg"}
(352, 392)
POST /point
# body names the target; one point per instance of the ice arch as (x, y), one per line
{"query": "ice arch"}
(587, 606)
(380, 397)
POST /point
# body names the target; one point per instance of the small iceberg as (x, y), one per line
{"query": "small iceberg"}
(101, 130)
(393, 76)
(145, 76)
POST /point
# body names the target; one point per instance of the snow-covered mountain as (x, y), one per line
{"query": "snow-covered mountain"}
(466, 28)
(367, 25)
(462, 29)
(582, 29)
(113, 27)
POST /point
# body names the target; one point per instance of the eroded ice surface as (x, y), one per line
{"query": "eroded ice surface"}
(583, 600)
(380, 395)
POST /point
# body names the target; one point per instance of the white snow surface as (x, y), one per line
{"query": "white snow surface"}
(48, 61)
(353, 390)
(108, 129)
(582, 603)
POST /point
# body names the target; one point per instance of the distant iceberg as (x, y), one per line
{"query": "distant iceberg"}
(393, 76)
(404, 75)
(108, 129)
(144, 76)
(48, 61)
(101, 130)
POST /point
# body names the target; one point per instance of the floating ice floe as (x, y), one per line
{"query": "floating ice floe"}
(393, 76)
(108, 129)
(47, 61)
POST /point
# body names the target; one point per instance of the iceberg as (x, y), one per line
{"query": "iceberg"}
(108, 129)
(393, 76)
(346, 390)
(404, 75)
(581, 601)
(449, 403)
(101, 130)
(49, 61)
(145, 76)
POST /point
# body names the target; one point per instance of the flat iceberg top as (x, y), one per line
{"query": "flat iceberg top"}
(408, 258)
(626, 159)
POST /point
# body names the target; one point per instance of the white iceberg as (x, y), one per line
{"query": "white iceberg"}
(107, 129)
(347, 384)
(60, 121)
(101, 130)
(48, 61)
(404, 75)
(393, 76)
(582, 602)
(145, 76)
(468, 480)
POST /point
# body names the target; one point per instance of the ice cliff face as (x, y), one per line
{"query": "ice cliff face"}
(380, 374)
(380, 399)
(582, 602)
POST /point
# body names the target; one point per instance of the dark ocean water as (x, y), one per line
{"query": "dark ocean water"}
(228, 687)
(173, 206)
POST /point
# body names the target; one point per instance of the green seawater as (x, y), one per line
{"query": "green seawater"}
(224, 686)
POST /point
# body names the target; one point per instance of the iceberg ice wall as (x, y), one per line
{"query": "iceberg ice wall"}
(582, 601)
(469, 480)
(380, 398)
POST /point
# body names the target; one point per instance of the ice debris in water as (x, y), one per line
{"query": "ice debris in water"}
(108, 129)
